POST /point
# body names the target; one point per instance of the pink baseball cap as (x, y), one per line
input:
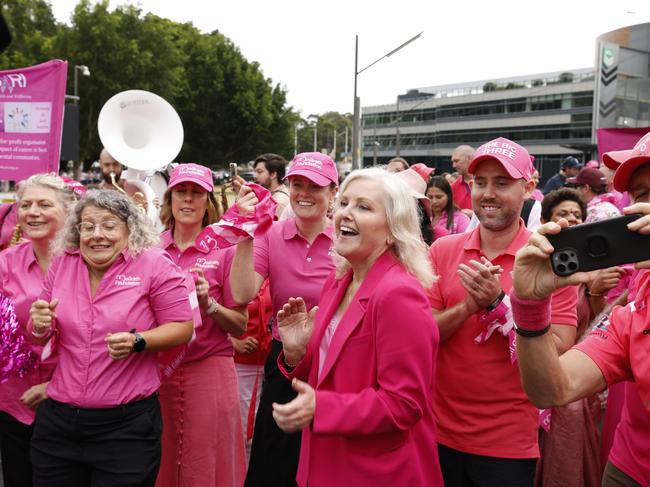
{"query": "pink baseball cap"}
(78, 188)
(192, 173)
(592, 164)
(318, 168)
(423, 170)
(615, 158)
(639, 155)
(513, 157)
(417, 186)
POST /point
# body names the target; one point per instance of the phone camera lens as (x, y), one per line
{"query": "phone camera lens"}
(564, 256)
(573, 266)
(561, 268)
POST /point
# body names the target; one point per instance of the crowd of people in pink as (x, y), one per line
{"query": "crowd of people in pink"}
(394, 327)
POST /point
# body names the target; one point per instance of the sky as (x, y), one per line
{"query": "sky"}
(308, 47)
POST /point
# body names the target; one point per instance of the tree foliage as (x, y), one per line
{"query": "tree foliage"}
(230, 111)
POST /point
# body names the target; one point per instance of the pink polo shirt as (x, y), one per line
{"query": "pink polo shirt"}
(21, 280)
(295, 267)
(462, 193)
(480, 404)
(608, 346)
(210, 338)
(139, 292)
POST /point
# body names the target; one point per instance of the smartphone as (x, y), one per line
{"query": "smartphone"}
(233, 171)
(598, 245)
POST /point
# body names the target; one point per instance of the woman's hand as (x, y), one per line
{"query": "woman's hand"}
(605, 279)
(299, 413)
(533, 276)
(295, 326)
(35, 395)
(237, 182)
(246, 200)
(246, 346)
(202, 288)
(42, 315)
(120, 345)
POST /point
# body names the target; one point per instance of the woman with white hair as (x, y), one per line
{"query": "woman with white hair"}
(109, 303)
(364, 366)
(44, 200)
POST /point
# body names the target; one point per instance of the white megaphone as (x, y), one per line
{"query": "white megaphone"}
(142, 131)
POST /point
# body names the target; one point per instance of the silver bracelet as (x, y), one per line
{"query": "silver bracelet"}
(214, 306)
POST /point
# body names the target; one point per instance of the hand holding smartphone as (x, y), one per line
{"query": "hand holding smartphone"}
(598, 245)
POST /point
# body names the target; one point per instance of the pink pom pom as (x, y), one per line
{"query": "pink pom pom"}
(16, 356)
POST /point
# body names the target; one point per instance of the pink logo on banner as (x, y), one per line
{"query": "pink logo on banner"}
(31, 119)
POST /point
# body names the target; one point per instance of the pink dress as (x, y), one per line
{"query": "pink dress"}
(203, 439)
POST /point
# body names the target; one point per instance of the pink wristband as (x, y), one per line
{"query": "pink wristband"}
(530, 314)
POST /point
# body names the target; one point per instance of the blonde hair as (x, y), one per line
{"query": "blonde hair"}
(212, 214)
(403, 224)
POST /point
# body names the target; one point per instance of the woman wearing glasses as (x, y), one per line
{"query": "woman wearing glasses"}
(203, 442)
(109, 302)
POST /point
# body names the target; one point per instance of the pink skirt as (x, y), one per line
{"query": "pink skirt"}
(203, 440)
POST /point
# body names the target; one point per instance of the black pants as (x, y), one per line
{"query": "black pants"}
(466, 470)
(613, 477)
(14, 446)
(274, 454)
(77, 447)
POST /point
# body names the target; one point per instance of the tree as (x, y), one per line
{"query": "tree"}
(33, 29)
(230, 111)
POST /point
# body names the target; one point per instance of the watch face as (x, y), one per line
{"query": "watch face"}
(139, 344)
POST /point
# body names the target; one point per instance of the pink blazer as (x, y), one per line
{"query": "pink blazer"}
(374, 424)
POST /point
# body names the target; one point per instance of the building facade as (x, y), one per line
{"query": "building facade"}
(554, 115)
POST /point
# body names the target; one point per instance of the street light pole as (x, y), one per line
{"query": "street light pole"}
(397, 134)
(356, 122)
(86, 72)
(355, 119)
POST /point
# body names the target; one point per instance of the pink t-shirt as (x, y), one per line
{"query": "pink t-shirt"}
(480, 404)
(139, 292)
(21, 280)
(608, 346)
(210, 338)
(459, 225)
(295, 267)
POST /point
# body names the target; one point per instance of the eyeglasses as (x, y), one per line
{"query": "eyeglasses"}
(107, 228)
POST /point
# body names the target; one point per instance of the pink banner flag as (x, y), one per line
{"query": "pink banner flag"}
(619, 139)
(31, 119)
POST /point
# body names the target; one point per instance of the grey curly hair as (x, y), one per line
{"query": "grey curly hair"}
(142, 234)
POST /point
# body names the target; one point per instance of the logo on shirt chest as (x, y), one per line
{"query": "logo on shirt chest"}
(124, 280)
(202, 263)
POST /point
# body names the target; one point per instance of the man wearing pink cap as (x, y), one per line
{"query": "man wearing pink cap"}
(487, 428)
(616, 350)
(592, 186)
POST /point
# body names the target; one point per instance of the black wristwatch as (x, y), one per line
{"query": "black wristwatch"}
(493, 305)
(140, 342)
